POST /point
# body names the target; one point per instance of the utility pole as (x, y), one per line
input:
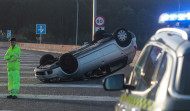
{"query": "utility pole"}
(77, 21)
(94, 16)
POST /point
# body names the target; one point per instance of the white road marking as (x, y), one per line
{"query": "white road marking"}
(1, 65)
(22, 72)
(25, 57)
(28, 59)
(58, 85)
(35, 60)
(65, 97)
(21, 68)
(3, 61)
(28, 77)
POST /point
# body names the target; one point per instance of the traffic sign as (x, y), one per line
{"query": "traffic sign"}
(100, 28)
(99, 21)
(40, 28)
(8, 34)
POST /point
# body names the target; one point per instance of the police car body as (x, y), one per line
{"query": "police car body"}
(160, 80)
(106, 54)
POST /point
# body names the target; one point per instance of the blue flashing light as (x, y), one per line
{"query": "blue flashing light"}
(175, 17)
(164, 17)
(182, 16)
(188, 16)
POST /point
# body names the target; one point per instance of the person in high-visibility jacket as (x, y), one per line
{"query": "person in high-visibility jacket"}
(13, 68)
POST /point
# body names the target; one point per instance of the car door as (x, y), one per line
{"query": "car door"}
(142, 78)
(150, 76)
(146, 67)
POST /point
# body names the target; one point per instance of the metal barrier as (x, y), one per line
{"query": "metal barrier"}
(42, 47)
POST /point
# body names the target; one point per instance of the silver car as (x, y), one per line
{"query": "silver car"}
(105, 55)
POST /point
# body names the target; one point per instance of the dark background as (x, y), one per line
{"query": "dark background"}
(138, 16)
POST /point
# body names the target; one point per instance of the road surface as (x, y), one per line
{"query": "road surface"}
(34, 95)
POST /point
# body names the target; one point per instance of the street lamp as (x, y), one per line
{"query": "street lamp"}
(94, 15)
(77, 21)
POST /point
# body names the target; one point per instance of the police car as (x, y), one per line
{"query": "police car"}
(160, 80)
(105, 55)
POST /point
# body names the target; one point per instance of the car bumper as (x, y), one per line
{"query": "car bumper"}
(48, 73)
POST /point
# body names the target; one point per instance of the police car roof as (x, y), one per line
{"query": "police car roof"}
(175, 38)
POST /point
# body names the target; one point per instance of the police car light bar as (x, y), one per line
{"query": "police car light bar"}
(174, 17)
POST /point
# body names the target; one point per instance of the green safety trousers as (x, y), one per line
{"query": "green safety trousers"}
(13, 68)
(13, 82)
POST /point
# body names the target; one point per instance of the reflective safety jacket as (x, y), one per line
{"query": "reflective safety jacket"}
(13, 58)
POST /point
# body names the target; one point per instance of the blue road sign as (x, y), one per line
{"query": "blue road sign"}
(40, 28)
(8, 34)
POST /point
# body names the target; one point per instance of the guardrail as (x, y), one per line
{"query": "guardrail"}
(42, 47)
(47, 47)
(4, 44)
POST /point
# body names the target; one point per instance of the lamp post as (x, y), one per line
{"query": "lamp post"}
(94, 16)
(77, 21)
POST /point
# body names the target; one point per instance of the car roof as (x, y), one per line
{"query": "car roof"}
(178, 39)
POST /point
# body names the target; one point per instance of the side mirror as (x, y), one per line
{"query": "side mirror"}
(116, 82)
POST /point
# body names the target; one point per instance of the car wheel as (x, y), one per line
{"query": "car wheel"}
(68, 63)
(99, 35)
(122, 37)
(45, 58)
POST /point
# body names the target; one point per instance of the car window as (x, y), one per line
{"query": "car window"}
(162, 68)
(145, 69)
(115, 66)
(161, 78)
(184, 79)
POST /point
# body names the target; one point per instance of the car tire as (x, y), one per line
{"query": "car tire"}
(122, 37)
(68, 63)
(99, 35)
(45, 58)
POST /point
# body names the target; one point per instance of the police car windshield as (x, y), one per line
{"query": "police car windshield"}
(184, 82)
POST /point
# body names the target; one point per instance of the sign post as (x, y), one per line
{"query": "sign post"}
(99, 21)
(99, 28)
(40, 29)
(8, 34)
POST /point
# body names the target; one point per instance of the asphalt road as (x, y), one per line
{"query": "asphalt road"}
(34, 95)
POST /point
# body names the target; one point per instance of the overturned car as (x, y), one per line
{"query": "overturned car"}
(105, 55)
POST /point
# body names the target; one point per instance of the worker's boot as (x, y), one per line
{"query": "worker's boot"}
(9, 97)
(14, 97)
